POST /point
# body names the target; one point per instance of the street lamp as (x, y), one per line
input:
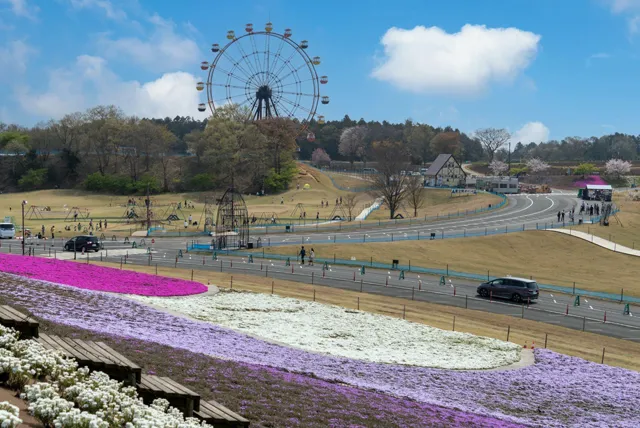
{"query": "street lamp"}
(23, 234)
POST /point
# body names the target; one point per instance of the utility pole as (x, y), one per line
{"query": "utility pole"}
(23, 231)
(148, 204)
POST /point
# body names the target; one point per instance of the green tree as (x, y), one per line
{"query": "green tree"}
(33, 179)
(585, 169)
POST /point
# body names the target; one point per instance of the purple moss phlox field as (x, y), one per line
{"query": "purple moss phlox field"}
(591, 179)
(557, 391)
(97, 278)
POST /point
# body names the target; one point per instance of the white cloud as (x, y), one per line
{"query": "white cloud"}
(14, 57)
(631, 8)
(106, 6)
(164, 50)
(430, 60)
(532, 132)
(22, 8)
(599, 55)
(90, 82)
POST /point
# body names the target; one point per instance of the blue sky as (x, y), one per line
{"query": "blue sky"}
(541, 68)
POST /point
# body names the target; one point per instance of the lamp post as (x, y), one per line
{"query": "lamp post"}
(23, 234)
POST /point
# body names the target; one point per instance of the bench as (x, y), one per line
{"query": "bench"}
(25, 325)
(180, 397)
(96, 356)
(217, 415)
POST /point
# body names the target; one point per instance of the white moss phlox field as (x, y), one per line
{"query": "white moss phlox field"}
(341, 332)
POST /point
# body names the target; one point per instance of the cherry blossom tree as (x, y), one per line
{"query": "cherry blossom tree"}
(537, 166)
(498, 167)
(320, 157)
(616, 168)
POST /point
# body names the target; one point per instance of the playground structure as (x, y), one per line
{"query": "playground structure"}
(207, 216)
(173, 213)
(232, 222)
(82, 213)
(299, 211)
(339, 213)
(131, 213)
(265, 218)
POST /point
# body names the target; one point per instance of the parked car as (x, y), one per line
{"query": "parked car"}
(83, 242)
(516, 289)
(7, 231)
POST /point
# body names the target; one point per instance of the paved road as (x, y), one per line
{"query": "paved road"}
(523, 212)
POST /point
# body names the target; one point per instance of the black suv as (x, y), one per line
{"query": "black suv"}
(516, 289)
(83, 242)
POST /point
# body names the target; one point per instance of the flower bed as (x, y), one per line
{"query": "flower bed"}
(72, 397)
(97, 278)
(556, 391)
(337, 331)
(591, 179)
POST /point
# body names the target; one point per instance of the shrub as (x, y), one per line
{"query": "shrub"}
(275, 182)
(201, 182)
(119, 184)
(33, 179)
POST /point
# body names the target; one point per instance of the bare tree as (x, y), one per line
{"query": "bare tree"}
(389, 185)
(350, 202)
(492, 139)
(415, 194)
(352, 142)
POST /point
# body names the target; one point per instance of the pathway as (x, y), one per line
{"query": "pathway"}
(609, 245)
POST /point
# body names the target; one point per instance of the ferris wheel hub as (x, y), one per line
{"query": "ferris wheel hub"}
(264, 93)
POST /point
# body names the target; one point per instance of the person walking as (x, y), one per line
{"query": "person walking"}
(563, 216)
(312, 255)
(43, 230)
(303, 253)
(53, 232)
(105, 223)
(559, 214)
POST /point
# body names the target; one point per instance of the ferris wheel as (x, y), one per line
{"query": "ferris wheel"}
(266, 73)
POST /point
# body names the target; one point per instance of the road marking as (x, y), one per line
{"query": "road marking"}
(590, 307)
(554, 301)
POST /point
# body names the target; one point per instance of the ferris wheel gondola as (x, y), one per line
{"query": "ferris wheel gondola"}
(267, 74)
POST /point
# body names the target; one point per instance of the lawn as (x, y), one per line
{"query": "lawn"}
(624, 228)
(438, 202)
(113, 208)
(548, 257)
(347, 181)
(320, 192)
(585, 345)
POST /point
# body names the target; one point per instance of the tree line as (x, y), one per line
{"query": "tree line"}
(103, 149)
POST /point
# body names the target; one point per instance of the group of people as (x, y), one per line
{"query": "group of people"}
(303, 254)
(590, 209)
(76, 228)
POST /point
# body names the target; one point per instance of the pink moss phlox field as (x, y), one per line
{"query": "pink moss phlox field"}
(557, 391)
(595, 180)
(98, 278)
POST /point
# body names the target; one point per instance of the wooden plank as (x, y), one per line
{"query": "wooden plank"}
(230, 413)
(117, 356)
(79, 349)
(148, 384)
(45, 338)
(209, 411)
(58, 343)
(6, 315)
(100, 357)
(168, 388)
(180, 388)
(44, 343)
(23, 317)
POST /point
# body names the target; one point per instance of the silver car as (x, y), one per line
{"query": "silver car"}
(516, 289)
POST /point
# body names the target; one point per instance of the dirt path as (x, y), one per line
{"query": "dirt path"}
(27, 419)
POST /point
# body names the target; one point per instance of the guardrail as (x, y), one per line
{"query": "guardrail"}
(438, 272)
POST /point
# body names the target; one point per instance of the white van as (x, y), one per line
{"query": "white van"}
(7, 231)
